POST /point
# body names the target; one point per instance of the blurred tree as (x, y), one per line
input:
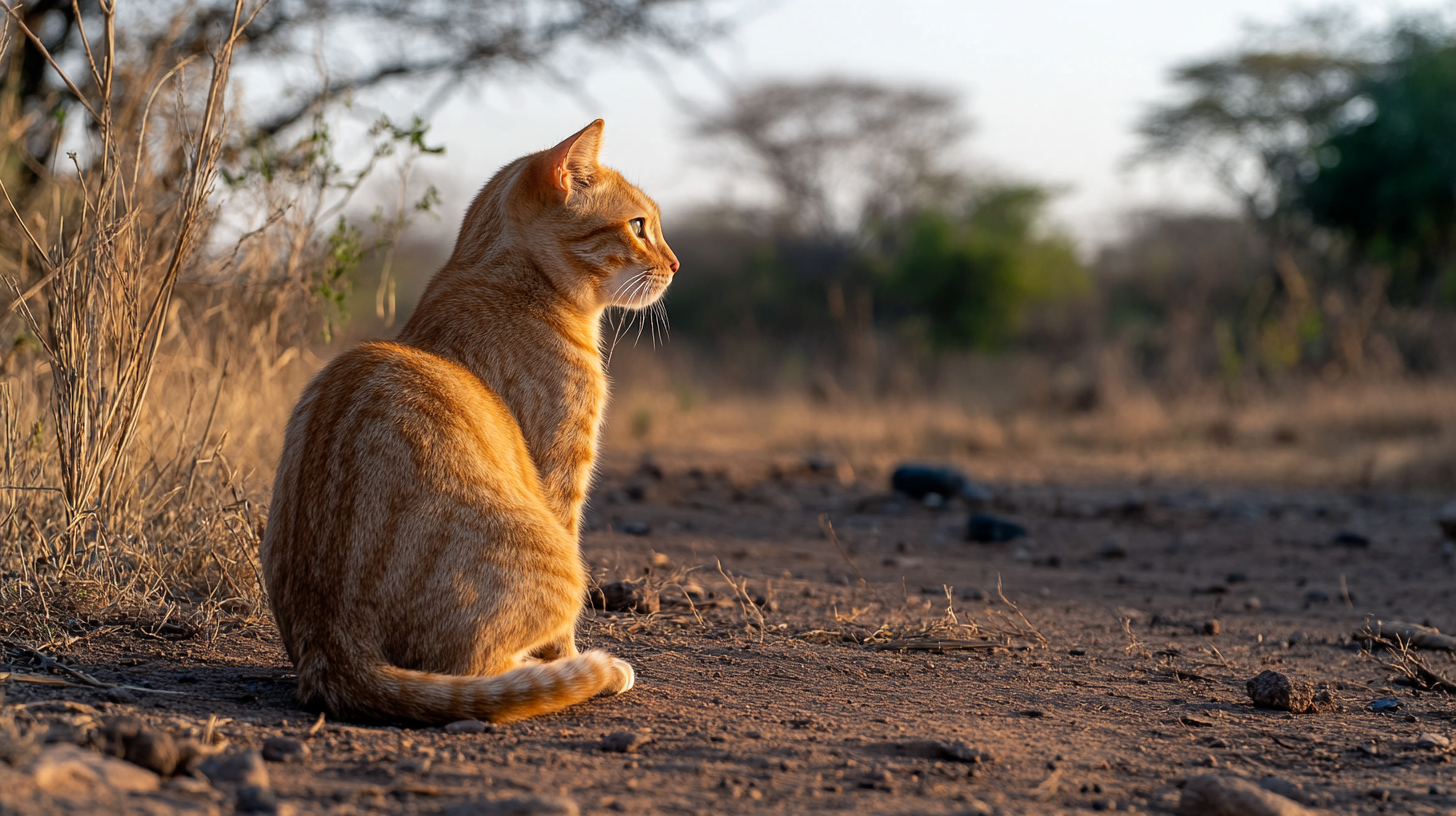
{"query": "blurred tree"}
(1388, 178)
(838, 150)
(966, 279)
(1251, 117)
(320, 49)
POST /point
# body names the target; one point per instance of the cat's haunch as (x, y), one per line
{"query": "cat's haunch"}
(421, 554)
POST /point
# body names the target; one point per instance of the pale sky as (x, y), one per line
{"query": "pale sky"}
(1054, 88)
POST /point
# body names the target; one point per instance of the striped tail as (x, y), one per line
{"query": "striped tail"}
(528, 691)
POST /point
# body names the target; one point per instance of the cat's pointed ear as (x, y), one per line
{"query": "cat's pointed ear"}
(573, 162)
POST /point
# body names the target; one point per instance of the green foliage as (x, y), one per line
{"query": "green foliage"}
(967, 279)
(1388, 180)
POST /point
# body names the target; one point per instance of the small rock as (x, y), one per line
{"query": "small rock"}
(128, 738)
(1433, 742)
(239, 768)
(919, 481)
(1439, 790)
(1379, 794)
(1270, 689)
(1077, 652)
(1235, 578)
(121, 696)
(1231, 796)
(626, 596)
(1212, 627)
(624, 742)
(1112, 549)
(1316, 596)
(520, 806)
(68, 769)
(284, 749)
(1253, 604)
(1384, 705)
(636, 528)
(1285, 788)
(959, 752)
(986, 529)
(1447, 520)
(467, 727)
(412, 766)
(1347, 538)
(255, 799)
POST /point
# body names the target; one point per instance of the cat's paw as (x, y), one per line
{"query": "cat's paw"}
(626, 674)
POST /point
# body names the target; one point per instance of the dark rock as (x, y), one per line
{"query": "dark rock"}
(255, 799)
(626, 596)
(1212, 627)
(1385, 705)
(1112, 549)
(520, 806)
(121, 696)
(1235, 578)
(1270, 689)
(624, 742)
(636, 528)
(129, 739)
(1439, 790)
(1447, 520)
(468, 727)
(919, 481)
(284, 749)
(1346, 538)
(959, 752)
(238, 768)
(986, 529)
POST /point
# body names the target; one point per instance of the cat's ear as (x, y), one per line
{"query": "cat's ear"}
(574, 161)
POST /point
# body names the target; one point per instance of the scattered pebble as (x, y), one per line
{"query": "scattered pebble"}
(635, 528)
(520, 806)
(255, 799)
(238, 768)
(284, 749)
(467, 727)
(1433, 742)
(128, 738)
(986, 529)
(1347, 538)
(121, 696)
(1439, 790)
(1212, 795)
(1285, 788)
(1270, 689)
(1112, 549)
(920, 481)
(1212, 627)
(1253, 604)
(1235, 578)
(67, 769)
(1384, 705)
(959, 752)
(624, 742)
(626, 596)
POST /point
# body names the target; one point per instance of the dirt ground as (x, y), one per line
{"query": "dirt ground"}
(770, 679)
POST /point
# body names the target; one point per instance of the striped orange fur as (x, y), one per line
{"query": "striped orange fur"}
(421, 555)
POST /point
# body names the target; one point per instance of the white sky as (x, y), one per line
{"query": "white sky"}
(1054, 87)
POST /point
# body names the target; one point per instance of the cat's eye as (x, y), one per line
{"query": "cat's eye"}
(639, 227)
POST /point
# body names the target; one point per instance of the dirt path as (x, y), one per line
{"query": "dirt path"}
(790, 704)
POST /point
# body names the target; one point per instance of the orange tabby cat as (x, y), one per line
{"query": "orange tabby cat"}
(421, 555)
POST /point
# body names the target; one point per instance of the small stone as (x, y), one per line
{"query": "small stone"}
(959, 752)
(1112, 549)
(1379, 794)
(1212, 627)
(920, 481)
(1270, 689)
(129, 739)
(467, 727)
(987, 529)
(1384, 705)
(623, 742)
(1285, 788)
(412, 766)
(1447, 520)
(627, 596)
(121, 696)
(255, 799)
(284, 749)
(1077, 652)
(68, 769)
(1253, 604)
(1235, 578)
(1347, 538)
(239, 769)
(1316, 596)
(1433, 742)
(520, 806)
(1213, 795)
(636, 528)
(1439, 790)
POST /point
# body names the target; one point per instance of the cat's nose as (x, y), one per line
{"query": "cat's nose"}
(673, 267)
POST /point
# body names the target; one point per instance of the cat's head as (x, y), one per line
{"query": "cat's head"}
(594, 234)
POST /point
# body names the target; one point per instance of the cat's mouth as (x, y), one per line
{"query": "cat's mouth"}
(640, 289)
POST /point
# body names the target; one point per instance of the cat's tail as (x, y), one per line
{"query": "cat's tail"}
(538, 688)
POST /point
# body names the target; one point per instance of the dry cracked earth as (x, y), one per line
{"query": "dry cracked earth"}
(877, 670)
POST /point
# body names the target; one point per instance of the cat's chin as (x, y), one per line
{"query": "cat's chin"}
(639, 290)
